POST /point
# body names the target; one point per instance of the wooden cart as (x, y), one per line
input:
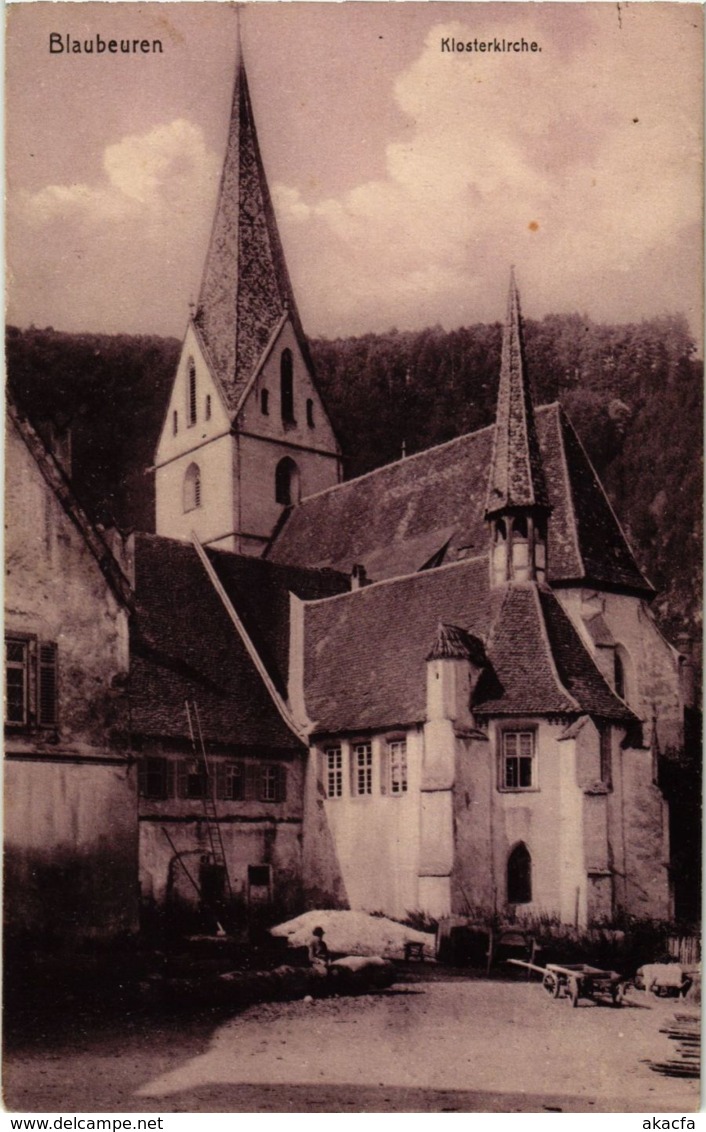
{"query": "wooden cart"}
(578, 980)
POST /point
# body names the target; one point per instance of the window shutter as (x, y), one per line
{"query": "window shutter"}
(170, 786)
(252, 782)
(281, 783)
(47, 699)
(218, 779)
(183, 778)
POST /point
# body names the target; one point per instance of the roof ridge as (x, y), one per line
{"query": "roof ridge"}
(550, 653)
(604, 493)
(399, 578)
(415, 456)
(59, 484)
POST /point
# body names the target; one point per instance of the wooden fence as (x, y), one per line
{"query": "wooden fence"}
(686, 949)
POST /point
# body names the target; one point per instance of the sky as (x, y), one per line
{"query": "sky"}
(406, 179)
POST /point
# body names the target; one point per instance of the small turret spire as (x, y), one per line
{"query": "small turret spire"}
(518, 501)
(516, 475)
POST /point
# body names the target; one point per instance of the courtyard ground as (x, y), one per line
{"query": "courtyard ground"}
(459, 1045)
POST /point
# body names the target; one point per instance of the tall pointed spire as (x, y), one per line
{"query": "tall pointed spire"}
(245, 288)
(516, 474)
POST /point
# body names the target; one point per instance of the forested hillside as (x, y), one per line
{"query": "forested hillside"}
(633, 391)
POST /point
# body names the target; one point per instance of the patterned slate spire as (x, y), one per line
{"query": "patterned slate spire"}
(245, 289)
(516, 473)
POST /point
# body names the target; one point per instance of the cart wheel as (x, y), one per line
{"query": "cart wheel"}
(618, 994)
(551, 984)
(574, 991)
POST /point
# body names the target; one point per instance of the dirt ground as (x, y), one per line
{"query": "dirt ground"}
(460, 1046)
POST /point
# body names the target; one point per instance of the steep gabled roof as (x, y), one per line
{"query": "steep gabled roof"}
(184, 646)
(366, 652)
(245, 288)
(540, 666)
(393, 520)
(516, 474)
(59, 484)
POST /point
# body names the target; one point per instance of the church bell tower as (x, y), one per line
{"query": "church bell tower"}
(246, 434)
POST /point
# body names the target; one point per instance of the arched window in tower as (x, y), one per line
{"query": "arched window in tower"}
(191, 393)
(287, 482)
(519, 875)
(286, 373)
(192, 488)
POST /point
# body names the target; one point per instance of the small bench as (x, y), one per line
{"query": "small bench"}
(414, 951)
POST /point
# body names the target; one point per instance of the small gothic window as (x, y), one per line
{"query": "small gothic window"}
(265, 402)
(519, 875)
(208, 406)
(287, 482)
(310, 412)
(191, 394)
(287, 386)
(520, 526)
(175, 422)
(192, 488)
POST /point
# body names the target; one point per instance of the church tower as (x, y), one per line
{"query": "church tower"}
(246, 434)
(517, 506)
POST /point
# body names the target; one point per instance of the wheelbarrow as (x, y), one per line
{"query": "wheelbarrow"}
(578, 980)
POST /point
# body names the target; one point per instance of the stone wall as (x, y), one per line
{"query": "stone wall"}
(70, 801)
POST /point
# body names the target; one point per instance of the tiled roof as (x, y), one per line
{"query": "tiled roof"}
(365, 652)
(392, 520)
(245, 289)
(516, 475)
(539, 663)
(184, 646)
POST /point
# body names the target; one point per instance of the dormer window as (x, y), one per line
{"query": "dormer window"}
(287, 387)
(191, 393)
(192, 488)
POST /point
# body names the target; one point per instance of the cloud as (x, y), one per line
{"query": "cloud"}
(151, 175)
(123, 253)
(580, 164)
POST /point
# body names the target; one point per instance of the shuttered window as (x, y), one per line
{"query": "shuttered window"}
(31, 683)
(273, 783)
(156, 778)
(16, 682)
(47, 692)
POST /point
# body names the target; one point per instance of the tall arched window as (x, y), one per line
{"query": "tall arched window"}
(519, 875)
(191, 393)
(310, 412)
(619, 670)
(287, 482)
(192, 488)
(286, 373)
